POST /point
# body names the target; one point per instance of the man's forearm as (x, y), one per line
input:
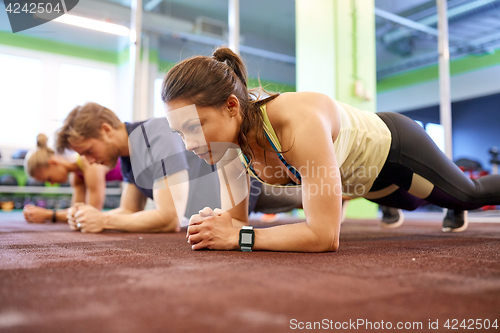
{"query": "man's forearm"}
(119, 210)
(143, 221)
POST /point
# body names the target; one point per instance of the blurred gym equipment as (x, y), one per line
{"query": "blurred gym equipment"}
(34, 182)
(19, 154)
(8, 180)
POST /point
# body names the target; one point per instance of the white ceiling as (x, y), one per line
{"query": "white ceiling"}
(478, 26)
(270, 25)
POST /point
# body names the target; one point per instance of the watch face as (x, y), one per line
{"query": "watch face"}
(246, 238)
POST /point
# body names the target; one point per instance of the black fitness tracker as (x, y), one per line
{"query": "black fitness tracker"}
(54, 218)
(247, 238)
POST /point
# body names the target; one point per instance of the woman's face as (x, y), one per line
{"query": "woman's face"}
(54, 173)
(206, 131)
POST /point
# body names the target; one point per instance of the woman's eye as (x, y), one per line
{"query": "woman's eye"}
(193, 128)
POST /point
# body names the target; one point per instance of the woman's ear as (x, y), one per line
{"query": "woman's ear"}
(233, 105)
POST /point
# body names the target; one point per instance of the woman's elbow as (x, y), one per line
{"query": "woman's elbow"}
(328, 244)
(171, 228)
(334, 246)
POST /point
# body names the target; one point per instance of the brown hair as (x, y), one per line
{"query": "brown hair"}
(85, 122)
(40, 157)
(209, 81)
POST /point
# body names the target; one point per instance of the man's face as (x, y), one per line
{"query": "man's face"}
(97, 150)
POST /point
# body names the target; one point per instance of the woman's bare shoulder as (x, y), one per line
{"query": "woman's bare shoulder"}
(289, 106)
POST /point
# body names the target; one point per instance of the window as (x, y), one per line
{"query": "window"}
(22, 99)
(81, 84)
(159, 109)
(436, 132)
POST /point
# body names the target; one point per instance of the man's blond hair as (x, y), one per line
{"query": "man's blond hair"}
(84, 122)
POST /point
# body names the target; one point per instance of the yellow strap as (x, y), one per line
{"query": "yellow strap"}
(269, 128)
(79, 162)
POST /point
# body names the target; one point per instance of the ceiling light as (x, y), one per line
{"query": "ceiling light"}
(92, 24)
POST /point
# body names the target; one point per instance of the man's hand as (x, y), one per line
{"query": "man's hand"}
(89, 219)
(212, 229)
(34, 214)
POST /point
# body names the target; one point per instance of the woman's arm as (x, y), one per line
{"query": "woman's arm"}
(312, 153)
(234, 188)
(307, 127)
(34, 214)
(79, 189)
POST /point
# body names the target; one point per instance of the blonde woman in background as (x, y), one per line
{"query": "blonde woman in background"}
(87, 180)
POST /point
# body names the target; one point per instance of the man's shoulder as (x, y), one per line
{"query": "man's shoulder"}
(132, 126)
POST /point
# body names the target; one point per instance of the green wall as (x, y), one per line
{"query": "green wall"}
(51, 46)
(356, 60)
(431, 73)
(355, 51)
(335, 47)
(315, 46)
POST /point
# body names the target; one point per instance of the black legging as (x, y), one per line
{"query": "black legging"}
(413, 151)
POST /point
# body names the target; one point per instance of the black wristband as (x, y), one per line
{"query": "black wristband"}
(54, 218)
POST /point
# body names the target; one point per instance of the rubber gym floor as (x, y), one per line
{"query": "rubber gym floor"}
(56, 280)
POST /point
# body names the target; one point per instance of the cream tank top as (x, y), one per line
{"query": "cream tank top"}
(361, 149)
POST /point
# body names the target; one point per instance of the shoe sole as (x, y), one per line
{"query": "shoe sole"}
(396, 224)
(345, 204)
(462, 228)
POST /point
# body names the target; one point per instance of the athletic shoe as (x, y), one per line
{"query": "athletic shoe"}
(269, 217)
(455, 221)
(345, 204)
(391, 217)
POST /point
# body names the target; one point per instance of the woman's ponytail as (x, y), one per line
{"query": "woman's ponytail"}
(227, 56)
(40, 157)
(41, 141)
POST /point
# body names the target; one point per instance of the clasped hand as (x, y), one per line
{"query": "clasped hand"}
(212, 229)
(85, 218)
